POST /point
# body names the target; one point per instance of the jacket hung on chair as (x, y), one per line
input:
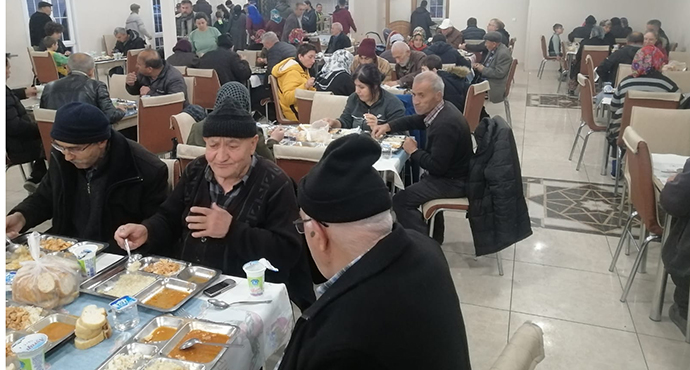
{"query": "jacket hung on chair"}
(498, 211)
(23, 138)
(134, 42)
(675, 199)
(78, 87)
(344, 17)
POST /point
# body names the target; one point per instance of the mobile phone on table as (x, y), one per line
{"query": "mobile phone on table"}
(221, 287)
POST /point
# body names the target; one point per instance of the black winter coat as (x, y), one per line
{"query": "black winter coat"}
(421, 18)
(339, 42)
(204, 7)
(227, 64)
(183, 59)
(608, 69)
(455, 86)
(619, 32)
(473, 33)
(339, 83)
(136, 184)
(309, 21)
(238, 31)
(498, 211)
(675, 199)
(447, 53)
(581, 32)
(23, 138)
(134, 42)
(37, 27)
(78, 87)
(396, 308)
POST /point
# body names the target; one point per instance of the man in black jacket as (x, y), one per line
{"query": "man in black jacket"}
(422, 18)
(445, 161)
(155, 77)
(227, 63)
(204, 7)
(583, 31)
(379, 276)
(608, 69)
(97, 180)
(448, 54)
(79, 86)
(472, 32)
(338, 40)
(230, 207)
(38, 22)
(127, 40)
(455, 83)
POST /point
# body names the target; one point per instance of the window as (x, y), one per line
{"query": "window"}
(437, 8)
(62, 13)
(157, 24)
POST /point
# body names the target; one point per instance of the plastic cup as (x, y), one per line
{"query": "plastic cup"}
(30, 351)
(255, 277)
(86, 257)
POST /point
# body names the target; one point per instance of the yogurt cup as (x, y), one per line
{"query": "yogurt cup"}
(255, 277)
(30, 351)
(86, 257)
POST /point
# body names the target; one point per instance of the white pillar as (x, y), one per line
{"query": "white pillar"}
(169, 25)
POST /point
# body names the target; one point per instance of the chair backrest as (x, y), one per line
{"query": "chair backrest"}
(511, 44)
(402, 27)
(598, 53)
(511, 77)
(624, 70)
(109, 42)
(33, 66)
(622, 41)
(174, 172)
(681, 56)
(275, 90)
(250, 56)
(327, 106)
(642, 195)
(187, 153)
(666, 131)
(590, 73)
(305, 99)
(132, 60)
(191, 85)
(182, 69)
(673, 46)
(182, 125)
(635, 98)
(524, 350)
(577, 40)
(44, 120)
(544, 50)
(296, 161)
(154, 113)
(44, 66)
(118, 90)
(586, 101)
(206, 86)
(473, 42)
(474, 102)
(681, 78)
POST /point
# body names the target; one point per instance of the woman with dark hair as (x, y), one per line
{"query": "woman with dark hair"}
(335, 74)
(309, 18)
(255, 21)
(224, 9)
(183, 55)
(238, 28)
(370, 105)
(624, 24)
(596, 37)
(293, 74)
(203, 38)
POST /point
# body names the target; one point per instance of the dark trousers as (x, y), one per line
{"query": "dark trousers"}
(682, 293)
(406, 203)
(38, 170)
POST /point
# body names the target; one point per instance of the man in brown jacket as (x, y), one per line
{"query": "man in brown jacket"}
(453, 35)
(408, 64)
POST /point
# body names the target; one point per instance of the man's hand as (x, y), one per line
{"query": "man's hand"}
(121, 107)
(131, 78)
(135, 234)
(14, 223)
(391, 83)
(310, 83)
(478, 67)
(31, 91)
(410, 145)
(144, 90)
(379, 130)
(334, 123)
(242, 57)
(371, 120)
(211, 222)
(260, 60)
(278, 134)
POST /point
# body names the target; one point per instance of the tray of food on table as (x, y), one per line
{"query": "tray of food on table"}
(24, 319)
(18, 251)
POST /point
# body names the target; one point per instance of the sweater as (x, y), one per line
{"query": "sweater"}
(675, 199)
(343, 16)
(407, 73)
(654, 81)
(204, 41)
(608, 69)
(448, 142)
(386, 109)
(555, 46)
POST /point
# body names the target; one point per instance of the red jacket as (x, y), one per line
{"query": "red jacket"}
(344, 17)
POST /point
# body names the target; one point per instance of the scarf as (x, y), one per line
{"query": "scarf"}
(275, 16)
(254, 15)
(341, 60)
(235, 91)
(648, 59)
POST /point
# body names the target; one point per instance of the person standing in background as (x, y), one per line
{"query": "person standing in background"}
(254, 21)
(134, 22)
(343, 16)
(204, 7)
(276, 23)
(309, 18)
(203, 38)
(238, 28)
(185, 20)
(284, 8)
(422, 18)
(293, 21)
(320, 18)
(38, 22)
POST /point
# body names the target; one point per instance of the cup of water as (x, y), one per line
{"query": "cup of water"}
(386, 150)
(125, 313)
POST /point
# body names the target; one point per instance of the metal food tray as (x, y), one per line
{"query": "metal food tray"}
(188, 279)
(53, 318)
(21, 239)
(44, 312)
(149, 261)
(147, 351)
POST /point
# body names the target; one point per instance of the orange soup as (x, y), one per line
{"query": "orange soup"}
(57, 331)
(200, 353)
(166, 298)
(160, 334)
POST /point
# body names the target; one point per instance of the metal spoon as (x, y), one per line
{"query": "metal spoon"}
(192, 341)
(223, 305)
(129, 252)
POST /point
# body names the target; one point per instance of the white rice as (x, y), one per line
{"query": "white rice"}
(160, 365)
(130, 284)
(124, 362)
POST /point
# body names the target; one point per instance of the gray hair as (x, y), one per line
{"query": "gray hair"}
(119, 31)
(81, 62)
(597, 32)
(366, 232)
(433, 79)
(338, 26)
(402, 46)
(269, 36)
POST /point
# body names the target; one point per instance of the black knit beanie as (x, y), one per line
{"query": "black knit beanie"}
(343, 186)
(80, 123)
(230, 119)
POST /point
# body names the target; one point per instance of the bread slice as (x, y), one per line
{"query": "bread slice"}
(84, 333)
(88, 343)
(46, 282)
(93, 318)
(67, 285)
(107, 332)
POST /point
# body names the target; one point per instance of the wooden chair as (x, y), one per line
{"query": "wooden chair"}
(44, 66)
(275, 89)
(598, 54)
(297, 161)
(565, 65)
(545, 57)
(511, 45)
(327, 106)
(680, 56)
(474, 102)
(682, 79)
(109, 42)
(586, 118)
(187, 153)
(182, 69)
(206, 86)
(182, 125)
(44, 120)
(589, 66)
(524, 350)
(305, 99)
(191, 86)
(118, 89)
(132, 60)
(154, 114)
(624, 70)
(401, 27)
(509, 83)
(250, 56)
(174, 172)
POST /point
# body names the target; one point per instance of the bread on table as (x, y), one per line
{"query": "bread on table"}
(92, 327)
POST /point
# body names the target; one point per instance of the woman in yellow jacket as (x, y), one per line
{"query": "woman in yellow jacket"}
(293, 74)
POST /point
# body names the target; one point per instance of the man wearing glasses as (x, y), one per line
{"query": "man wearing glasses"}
(97, 180)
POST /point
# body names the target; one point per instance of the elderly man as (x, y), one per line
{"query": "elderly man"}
(38, 21)
(230, 207)
(338, 39)
(446, 160)
(453, 35)
(293, 21)
(185, 19)
(374, 269)
(495, 67)
(408, 64)
(79, 86)
(608, 69)
(155, 77)
(277, 50)
(97, 180)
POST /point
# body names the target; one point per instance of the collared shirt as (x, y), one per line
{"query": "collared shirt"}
(429, 119)
(321, 289)
(217, 192)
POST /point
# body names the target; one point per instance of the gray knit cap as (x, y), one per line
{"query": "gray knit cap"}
(235, 91)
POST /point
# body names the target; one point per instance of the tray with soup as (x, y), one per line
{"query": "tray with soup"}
(59, 328)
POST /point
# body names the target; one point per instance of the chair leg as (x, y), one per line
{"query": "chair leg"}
(541, 69)
(560, 82)
(636, 265)
(605, 157)
(659, 292)
(624, 235)
(506, 103)
(622, 204)
(619, 159)
(577, 136)
(500, 263)
(21, 168)
(582, 152)
(687, 329)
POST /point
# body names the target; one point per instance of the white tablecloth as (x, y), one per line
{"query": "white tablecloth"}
(666, 165)
(392, 167)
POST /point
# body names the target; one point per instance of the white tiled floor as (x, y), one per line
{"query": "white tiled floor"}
(557, 279)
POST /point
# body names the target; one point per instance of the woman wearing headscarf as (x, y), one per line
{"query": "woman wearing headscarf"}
(276, 23)
(418, 41)
(183, 55)
(646, 76)
(335, 74)
(596, 37)
(255, 21)
(238, 28)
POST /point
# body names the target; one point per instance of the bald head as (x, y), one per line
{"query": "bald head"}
(82, 63)
(149, 63)
(401, 53)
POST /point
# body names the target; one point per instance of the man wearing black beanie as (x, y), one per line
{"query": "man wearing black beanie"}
(379, 276)
(97, 180)
(230, 207)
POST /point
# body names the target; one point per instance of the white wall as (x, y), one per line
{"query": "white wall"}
(17, 40)
(677, 26)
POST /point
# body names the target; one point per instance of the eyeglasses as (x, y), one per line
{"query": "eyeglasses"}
(73, 149)
(299, 224)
